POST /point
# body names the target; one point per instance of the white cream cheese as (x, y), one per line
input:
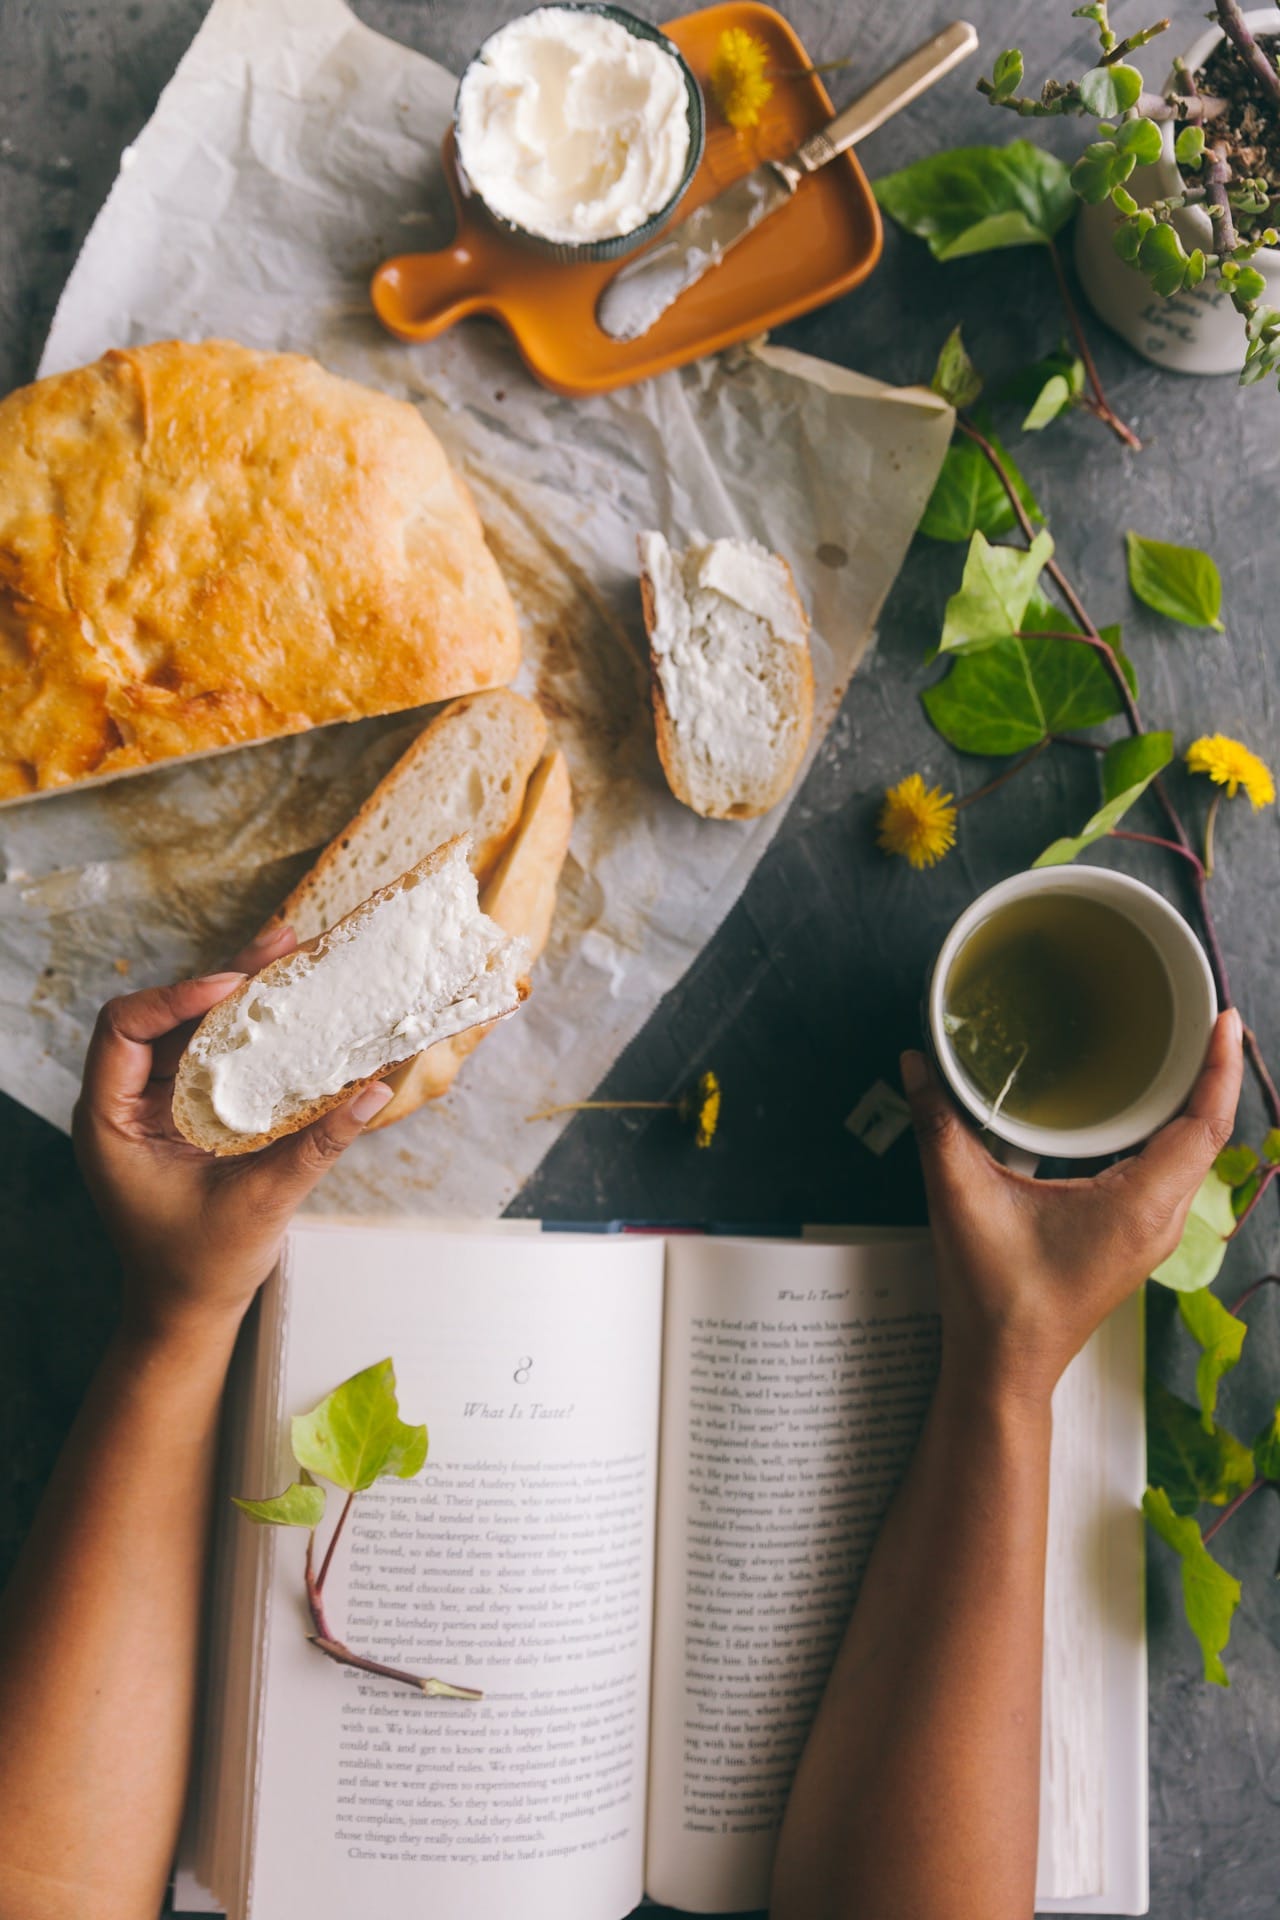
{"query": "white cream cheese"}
(572, 127)
(424, 964)
(721, 608)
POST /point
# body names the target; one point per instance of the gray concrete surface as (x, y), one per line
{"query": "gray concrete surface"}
(813, 983)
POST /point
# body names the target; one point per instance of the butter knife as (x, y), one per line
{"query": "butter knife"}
(640, 293)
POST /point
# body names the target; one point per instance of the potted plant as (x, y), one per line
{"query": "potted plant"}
(1175, 245)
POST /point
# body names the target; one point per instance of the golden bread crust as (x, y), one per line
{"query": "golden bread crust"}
(203, 545)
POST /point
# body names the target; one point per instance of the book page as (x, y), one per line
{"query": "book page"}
(795, 1379)
(520, 1561)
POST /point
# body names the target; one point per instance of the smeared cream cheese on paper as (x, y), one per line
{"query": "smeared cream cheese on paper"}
(254, 207)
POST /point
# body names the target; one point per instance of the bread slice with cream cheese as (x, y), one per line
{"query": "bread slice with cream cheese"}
(414, 964)
(730, 671)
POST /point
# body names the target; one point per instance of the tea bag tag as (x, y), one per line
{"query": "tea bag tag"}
(1017, 1159)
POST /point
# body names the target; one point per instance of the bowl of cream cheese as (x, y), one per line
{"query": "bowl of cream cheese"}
(578, 129)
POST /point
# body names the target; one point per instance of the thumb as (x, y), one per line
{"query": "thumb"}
(947, 1148)
(278, 1179)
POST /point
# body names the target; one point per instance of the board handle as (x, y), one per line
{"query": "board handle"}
(418, 295)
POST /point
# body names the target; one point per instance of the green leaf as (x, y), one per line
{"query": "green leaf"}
(1045, 387)
(955, 377)
(1053, 396)
(1181, 582)
(968, 498)
(1128, 768)
(1196, 1260)
(1209, 1593)
(1007, 697)
(1271, 1147)
(1248, 285)
(301, 1505)
(1266, 1449)
(1220, 1336)
(1235, 1164)
(1163, 258)
(356, 1436)
(1188, 148)
(1242, 1196)
(1101, 168)
(1006, 75)
(1141, 138)
(1191, 1461)
(1110, 91)
(996, 588)
(1129, 234)
(977, 199)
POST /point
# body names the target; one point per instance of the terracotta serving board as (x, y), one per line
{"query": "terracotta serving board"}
(825, 241)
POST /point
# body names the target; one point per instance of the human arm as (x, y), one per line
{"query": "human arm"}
(99, 1626)
(917, 1796)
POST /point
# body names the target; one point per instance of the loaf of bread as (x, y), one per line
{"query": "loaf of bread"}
(730, 672)
(202, 546)
(480, 767)
(414, 964)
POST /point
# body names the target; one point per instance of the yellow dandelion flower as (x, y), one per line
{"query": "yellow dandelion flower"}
(1232, 766)
(737, 81)
(918, 822)
(702, 1106)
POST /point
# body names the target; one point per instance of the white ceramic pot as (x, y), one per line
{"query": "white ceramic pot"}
(1191, 332)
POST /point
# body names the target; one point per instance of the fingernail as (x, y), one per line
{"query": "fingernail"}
(270, 938)
(915, 1072)
(371, 1101)
(1235, 1025)
(227, 980)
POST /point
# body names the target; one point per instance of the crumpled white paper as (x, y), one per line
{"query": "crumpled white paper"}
(292, 151)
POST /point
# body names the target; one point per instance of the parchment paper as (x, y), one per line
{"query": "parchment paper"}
(292, 151)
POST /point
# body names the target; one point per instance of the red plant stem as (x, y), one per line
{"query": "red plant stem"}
(1237, 31)
(1154, 840)
(1102, 405)
(980, 793)
(1253, 1052)
(1233, 1506)
(1264, 1181)
(323, 1575)
(327, 1643)
(1267, 1280)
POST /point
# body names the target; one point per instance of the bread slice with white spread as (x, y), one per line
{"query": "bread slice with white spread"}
(414, 964)
(730, 671)
(520, 898)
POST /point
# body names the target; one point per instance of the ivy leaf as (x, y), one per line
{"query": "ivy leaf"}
(1210, 1594)
(1189, 1461)
(1220, 1336)
(1180, 582)
(1271, 1147)
(1045, 388)
(1110, 91)
(977, 199)
(356, 1436)
(1007, 697)
(1128, 768)
(967, 497)
(1235, 1164)
(995, 591)
(301, 1505)
(1198, 1256)
(1266, 1449)
(955, 377)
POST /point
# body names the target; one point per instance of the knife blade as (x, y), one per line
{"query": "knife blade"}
(641, 292)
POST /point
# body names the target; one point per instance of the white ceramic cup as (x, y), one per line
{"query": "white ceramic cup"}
(1195, 1006)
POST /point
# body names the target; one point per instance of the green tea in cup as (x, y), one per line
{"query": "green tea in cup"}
(1059, 1010)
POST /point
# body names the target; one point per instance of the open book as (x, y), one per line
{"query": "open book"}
(657, 1468)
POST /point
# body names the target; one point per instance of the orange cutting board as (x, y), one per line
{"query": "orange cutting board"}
(823, 242)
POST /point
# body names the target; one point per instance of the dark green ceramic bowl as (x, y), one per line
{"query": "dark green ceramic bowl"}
(618, 244)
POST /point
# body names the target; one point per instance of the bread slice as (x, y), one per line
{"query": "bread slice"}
(730, 672)
(415, 963)
(465, 773)
(521, 899)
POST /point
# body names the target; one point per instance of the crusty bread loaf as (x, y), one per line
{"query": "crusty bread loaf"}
(521, 899)
(311, 1029)
(465, 773)
(203, 545)
(731, 677)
